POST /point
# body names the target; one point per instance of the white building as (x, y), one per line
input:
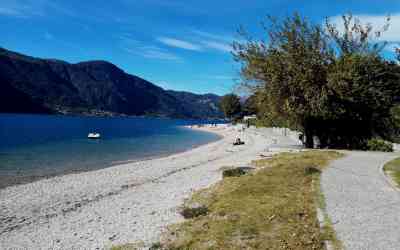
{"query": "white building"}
(249, 117)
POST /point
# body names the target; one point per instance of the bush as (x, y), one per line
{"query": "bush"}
(194, 210)
(312, 170)
(379, 145)
(156, 246)
(236, 172)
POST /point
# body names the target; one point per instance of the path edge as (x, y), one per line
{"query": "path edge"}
(388, 179)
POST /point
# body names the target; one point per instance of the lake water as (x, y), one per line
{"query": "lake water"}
(41, 145)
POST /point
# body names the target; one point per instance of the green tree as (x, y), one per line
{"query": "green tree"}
(362, 92)
(290, 71)
(363, 86)
(230, 105)
(320, 81)
(250, 105)
(395, 121)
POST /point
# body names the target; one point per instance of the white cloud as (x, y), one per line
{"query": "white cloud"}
(152, 53)
(136, 47)
(392, 35)
(200, 41)
(211, 36)
(165, 84)
(19, 9)
(157, 53)
(217, 45)
(179, 43)
(219, 42)
(32, 8)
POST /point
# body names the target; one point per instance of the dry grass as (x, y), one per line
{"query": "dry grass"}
(133, 246)
(272, 208)
(392, 168)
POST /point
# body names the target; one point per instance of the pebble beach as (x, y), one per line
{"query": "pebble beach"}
(128, 203)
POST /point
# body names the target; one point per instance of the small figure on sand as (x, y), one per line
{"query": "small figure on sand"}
(238, 141)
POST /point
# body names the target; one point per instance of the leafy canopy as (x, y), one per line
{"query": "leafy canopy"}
(230, 105)
(326, 83)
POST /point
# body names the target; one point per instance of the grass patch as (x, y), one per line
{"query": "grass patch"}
(129, 246)
(392, 168)
(272, 208)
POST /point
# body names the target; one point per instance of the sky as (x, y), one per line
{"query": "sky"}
(176, 44)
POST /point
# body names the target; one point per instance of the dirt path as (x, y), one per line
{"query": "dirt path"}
(363, 206)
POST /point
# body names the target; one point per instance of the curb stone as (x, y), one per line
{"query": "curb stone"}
(321, 215)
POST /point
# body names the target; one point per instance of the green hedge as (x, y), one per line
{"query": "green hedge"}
(376, 144)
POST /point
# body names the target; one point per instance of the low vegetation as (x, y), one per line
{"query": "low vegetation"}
(274, 207)
(194, 210)
(379, 145)
(392, 169)
(236, 172)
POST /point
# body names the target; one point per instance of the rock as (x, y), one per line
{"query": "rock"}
(113, 237)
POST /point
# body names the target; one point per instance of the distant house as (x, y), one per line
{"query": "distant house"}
(249, 117)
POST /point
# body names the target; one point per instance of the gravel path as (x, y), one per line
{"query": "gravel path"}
(120, 204)
(363, 206)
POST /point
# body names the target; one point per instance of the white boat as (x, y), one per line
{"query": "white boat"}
(94, 136)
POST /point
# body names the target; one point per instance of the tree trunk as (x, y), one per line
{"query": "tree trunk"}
(309, 143)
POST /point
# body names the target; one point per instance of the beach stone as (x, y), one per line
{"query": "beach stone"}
(113, 237)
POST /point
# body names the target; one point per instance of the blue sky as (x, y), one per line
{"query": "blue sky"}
(176, 44)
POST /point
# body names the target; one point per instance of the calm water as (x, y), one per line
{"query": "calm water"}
(35, 145)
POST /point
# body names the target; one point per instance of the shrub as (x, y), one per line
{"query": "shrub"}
(379, 145)
(236, 172)
(312, 170)
(156, 246)
(194, 210)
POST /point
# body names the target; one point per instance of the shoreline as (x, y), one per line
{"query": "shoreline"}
(15, 180)
(127, 203)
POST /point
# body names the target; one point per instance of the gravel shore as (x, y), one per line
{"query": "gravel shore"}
(125, 203)
(363, 206)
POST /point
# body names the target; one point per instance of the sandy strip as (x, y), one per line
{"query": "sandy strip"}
(125, 203)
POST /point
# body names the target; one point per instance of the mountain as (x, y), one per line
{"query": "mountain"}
(34, 85)
(199, 105)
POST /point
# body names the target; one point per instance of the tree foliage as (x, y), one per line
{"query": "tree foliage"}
(230, 105)
(357, 38)
(326, 83)
(250, 106)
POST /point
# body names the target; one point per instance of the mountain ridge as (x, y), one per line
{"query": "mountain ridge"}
(93, 87)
